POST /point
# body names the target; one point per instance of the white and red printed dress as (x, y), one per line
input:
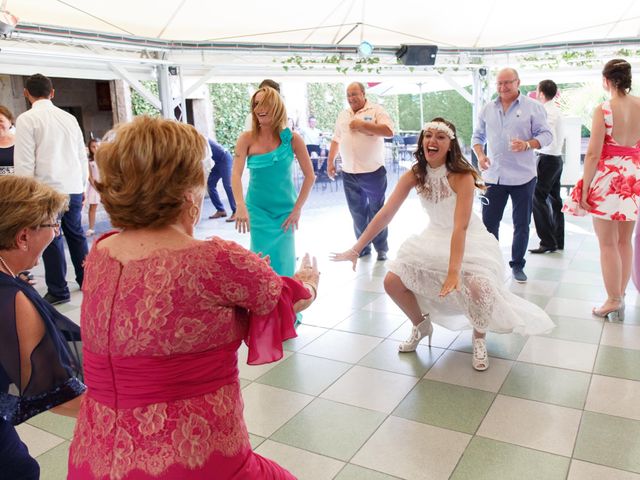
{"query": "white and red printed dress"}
(615, 189)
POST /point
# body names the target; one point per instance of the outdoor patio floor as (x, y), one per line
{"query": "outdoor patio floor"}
(344, 404)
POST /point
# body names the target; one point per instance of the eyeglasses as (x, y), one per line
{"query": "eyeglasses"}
(506, 82)
(55, 226)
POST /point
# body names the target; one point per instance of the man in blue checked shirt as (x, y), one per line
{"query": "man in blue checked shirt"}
(511, 126)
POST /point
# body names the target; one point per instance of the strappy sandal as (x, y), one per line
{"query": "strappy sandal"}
(613, 315)
(418, 332)
(480, 359)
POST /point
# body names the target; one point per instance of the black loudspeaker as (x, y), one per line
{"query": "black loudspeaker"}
(417, 54)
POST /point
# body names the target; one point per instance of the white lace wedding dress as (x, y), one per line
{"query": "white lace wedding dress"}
(483, 301)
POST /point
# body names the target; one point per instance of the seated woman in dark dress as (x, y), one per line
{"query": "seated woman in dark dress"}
(38, 372)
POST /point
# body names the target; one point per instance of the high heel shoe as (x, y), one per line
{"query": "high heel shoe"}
(418, 332)
(480, 358)
(612, 315)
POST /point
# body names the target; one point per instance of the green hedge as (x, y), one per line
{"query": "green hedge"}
(139, 106)
(230, 109)
(448, 104)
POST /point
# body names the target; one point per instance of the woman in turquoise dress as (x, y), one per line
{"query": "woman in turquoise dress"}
(271, 211)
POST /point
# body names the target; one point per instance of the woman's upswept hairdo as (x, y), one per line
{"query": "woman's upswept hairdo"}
(455, 161)
(146, 168)
(272, 101)
(618, 72)
(26, 203)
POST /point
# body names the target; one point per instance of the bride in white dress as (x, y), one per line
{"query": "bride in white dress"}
(453, 272)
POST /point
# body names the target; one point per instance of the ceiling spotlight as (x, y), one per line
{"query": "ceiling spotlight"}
(365, 49)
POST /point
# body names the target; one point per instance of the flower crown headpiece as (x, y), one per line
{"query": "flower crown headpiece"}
(441, 126)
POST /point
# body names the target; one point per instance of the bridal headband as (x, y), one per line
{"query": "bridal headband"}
(443, 127)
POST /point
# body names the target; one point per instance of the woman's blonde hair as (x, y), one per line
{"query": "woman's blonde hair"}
(272, 101)
(146, 168)
(26, 203)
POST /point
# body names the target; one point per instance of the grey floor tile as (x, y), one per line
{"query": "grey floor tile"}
(377, 324)
(542, 273)
(53, 463)
(610, 441)
(576, 329)
(59, 425)
(547, 384)
(445, 405)
(590, 471)
(353, 472)
(255, 440)
(412, 450)
(330, 428)
(304, 374)
(387, 357)
(486, 459)
(591, 293)
(618, 362)
(301, 463)
(306, 335)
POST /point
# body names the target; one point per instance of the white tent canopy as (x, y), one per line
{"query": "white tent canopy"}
(455, 23)
(247, 40)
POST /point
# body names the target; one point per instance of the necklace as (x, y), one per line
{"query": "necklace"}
(6, 267)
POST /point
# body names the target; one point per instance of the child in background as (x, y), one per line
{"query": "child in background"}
(92, 196)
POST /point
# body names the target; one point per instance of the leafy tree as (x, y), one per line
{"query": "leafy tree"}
(139, 106)
(390, 104)
(325, 101)
(448, 104)
(230, 109)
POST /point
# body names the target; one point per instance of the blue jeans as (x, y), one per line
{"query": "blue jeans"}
(221, 170)
(55, 264)
(522, 202)
(365, 196)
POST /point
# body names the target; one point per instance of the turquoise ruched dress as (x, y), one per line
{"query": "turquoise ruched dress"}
(270, 199)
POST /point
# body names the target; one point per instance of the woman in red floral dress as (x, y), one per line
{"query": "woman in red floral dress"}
(612, 174)
(163, 316)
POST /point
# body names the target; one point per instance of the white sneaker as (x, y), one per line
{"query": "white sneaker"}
(418, 332)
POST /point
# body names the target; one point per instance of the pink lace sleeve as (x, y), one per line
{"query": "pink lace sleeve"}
(251, 284)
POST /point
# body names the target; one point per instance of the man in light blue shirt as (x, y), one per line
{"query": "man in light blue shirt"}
(511, 126)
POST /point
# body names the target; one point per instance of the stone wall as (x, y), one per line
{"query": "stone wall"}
(11, 94)
(81, 94)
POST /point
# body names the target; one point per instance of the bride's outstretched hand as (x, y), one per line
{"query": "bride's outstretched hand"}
(451, 283)
(349, 255)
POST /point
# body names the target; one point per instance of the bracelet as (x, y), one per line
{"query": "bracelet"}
(313, 288)
(352, 250)
(528, 147)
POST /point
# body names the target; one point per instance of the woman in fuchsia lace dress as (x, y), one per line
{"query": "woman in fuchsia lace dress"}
(163, 316)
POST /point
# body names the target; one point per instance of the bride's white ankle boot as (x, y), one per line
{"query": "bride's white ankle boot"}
(480, 358)
(418, 332)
